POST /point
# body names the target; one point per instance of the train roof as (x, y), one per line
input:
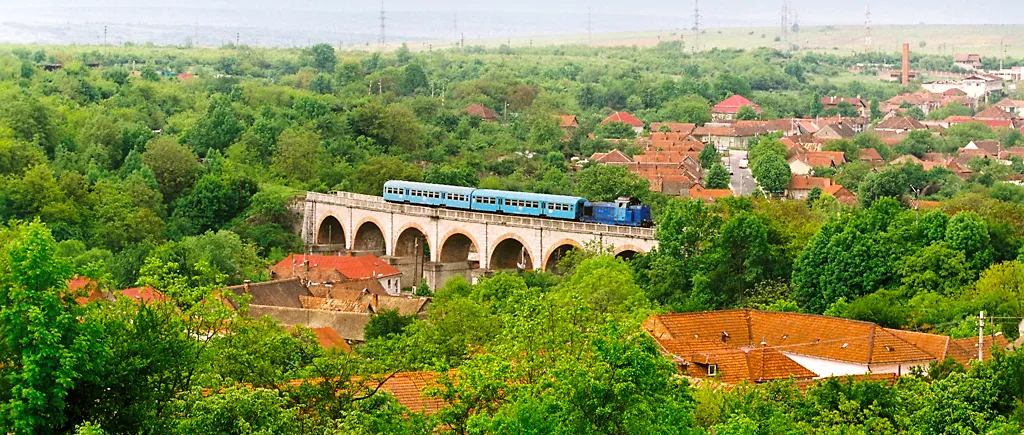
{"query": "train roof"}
(525, 196)
(429, 186)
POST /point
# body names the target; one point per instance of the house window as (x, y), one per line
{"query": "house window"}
(712, 369)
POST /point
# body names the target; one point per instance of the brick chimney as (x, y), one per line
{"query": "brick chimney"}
(245, 286)
(906, 63)
(374, 302)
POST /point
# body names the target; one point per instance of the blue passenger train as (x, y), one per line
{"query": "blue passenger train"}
(624, 211)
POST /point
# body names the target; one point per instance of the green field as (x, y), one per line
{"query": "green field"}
(938, 39)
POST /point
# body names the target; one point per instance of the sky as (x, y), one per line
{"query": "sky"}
(277, 22)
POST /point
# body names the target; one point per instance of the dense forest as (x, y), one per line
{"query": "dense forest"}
(176, 167)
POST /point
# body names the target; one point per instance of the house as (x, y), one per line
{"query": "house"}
(567, 121)
(747, 345)
(968, 61)
(281, 293)
(842, 194)
(980, 86)
(482, 112)
(625, 118)
(871, 157)
(610, 158)
(186, 76)
(857, 103)
(727, 137)
(683, 128)
(804, 164)
(994, 112)
(834, 132)
(335, 268)
(708, 195)
(900, 124)
(727, 109)
(329, 339)
(146, 295)
(801, 185)
(1015, 107)
(982, 148)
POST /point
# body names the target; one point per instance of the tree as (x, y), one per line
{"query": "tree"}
(452, 175)
(846, 109)
(324, 58)
(968, 233)
(174, 166)
(746, 113)
(718, 177)
(688, 108)
(43, 347)
(608, 182)
(299, 155)
(211, 203)
(615, 130)
(709, 156)
(772, 173)
(890, 183)
(387, 323)
(218, 129)
(414, 79)
(876, 113)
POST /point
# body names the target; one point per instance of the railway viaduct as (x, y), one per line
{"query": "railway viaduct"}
(452, 242)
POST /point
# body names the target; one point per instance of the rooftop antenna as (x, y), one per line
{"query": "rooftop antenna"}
(383, 28)
(696, 25)
(590, 28)
(867, 24)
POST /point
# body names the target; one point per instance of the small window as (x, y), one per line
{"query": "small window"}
(712, 369)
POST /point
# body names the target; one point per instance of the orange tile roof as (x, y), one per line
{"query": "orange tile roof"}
(683, 128)
(904, 123)
(481, 111)
(360, 267)
(567, 121)
(869, 154)
(407, 387)
(691, 336)
(993, 112)
(807, 182)
(329, 339)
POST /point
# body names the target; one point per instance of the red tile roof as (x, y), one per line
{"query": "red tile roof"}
(361, 267)
(329, 339)
(567, 121)
(407, 387)
(733, 104)
(88, 286)
(904, 123)
(869, 155)
(807, 182)
(993, 112)
(625, 118)
(674, 127)
(146, 294)
(481, 111)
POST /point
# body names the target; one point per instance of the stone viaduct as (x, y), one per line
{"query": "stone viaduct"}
(452, 242)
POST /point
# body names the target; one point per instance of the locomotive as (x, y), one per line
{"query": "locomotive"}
(623, 212)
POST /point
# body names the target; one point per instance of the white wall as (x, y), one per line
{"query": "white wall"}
(825, 368)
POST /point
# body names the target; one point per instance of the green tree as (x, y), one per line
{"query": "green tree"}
(746, 113)
(414, 79)
(299, 154)
(772, 173)
(216, 130)
(709, 156)
(174, 166)
(608, 182)
(323, 57)
(718, 177)
(44, 349)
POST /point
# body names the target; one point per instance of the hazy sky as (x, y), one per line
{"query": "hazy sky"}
(283, 22)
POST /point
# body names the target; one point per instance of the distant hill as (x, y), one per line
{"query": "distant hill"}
(937, 39)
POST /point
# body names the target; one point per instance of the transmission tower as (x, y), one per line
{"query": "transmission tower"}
(784, 25)
(455, 26)
(696, 26)
(590, 28)
(383, 28)
(867, 25)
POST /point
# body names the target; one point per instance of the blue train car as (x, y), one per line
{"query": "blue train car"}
(624, 211)
(528, 204)
(434, 195)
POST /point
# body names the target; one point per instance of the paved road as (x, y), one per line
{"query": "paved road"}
(742, 181)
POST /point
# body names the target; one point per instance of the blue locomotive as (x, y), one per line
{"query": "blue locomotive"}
(624, 211)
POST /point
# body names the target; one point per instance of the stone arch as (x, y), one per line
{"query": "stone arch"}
(457, 246)
(330, 232)
(369, 238)
(410, 238)
(557, 252)
(627, 252)
(510, 252)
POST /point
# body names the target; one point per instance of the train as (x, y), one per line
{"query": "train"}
(623, 212)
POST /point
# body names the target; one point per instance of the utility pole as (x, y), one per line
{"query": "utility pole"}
(981, 336)
(383, 28)
(104, 35)
(238, 39)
